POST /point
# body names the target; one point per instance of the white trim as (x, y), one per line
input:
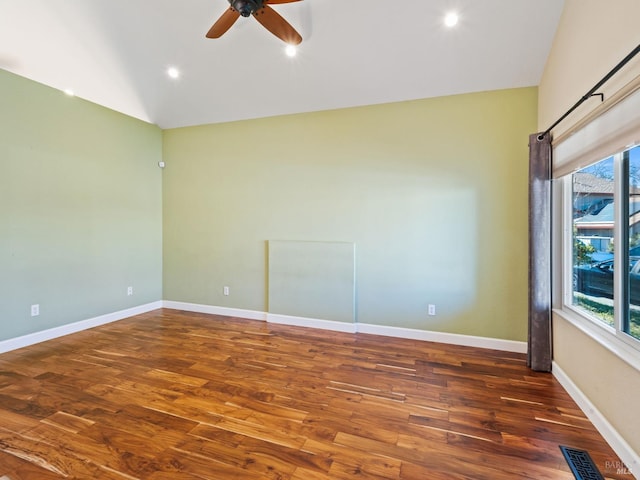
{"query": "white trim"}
(214, 310)
(311, 323)
(442, 337)
(384, 330)
(620, 231)
(567, 239)
(55, 332)
(619, 445)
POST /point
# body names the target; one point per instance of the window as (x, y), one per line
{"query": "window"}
(605, 226)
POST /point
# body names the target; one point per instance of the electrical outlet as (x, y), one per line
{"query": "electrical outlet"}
(129, 291)
(225, 291)
(35, 310)
(432, 309)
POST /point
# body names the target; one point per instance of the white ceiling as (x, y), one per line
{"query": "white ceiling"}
(354, 52)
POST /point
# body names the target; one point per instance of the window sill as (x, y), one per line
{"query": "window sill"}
(609, 340)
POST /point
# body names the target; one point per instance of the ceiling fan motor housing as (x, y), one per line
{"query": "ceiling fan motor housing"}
(246, 7)
(263, 13)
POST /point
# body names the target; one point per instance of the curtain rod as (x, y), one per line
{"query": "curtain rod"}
(592, 92)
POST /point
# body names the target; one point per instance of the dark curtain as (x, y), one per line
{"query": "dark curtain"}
(539, 353)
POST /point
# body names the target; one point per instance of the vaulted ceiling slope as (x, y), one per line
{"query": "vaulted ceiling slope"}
(354, 52)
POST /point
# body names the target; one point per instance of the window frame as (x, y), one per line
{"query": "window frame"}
(614, 337)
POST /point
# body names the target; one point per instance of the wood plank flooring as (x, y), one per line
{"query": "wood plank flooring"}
(183, 396)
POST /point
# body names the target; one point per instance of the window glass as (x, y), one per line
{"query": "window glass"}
(593, 233)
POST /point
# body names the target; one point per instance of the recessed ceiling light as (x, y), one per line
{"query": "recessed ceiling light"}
(291, 50)
(173, 72)
(69, 92)
(451, 19)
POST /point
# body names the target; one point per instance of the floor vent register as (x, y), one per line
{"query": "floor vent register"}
(581, 464)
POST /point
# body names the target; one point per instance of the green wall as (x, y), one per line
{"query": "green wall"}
(432, 192)
(80, 209)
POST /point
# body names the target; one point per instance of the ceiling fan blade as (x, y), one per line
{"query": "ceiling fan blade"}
(272, 21)
(273, 2)
(224, 23)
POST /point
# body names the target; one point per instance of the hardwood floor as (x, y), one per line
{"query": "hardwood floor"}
(176, 395)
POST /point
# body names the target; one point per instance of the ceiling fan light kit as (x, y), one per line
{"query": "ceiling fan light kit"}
(263, 13)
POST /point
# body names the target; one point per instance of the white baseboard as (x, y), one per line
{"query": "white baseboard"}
(311, 323)
(51, 333)
(619, 445)
(213, 310)
(399, 332)
(442, 337)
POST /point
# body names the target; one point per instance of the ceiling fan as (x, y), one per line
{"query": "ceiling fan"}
(262, 12)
